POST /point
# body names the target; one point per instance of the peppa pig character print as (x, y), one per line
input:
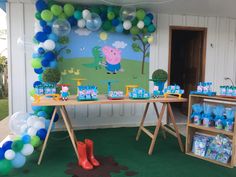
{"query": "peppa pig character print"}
(113, 59)
(64, 93)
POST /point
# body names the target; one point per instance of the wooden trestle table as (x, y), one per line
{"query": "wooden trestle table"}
(166, 103)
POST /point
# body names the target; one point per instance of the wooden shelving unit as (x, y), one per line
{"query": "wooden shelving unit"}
(192, 128)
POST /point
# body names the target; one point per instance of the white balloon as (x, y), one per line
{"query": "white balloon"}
(32, 131)
(27, 150)
(16, 122)
(140, 24)
(9, 154)
(127, 24)
(38, 125)
(49, 44)
(81, 23)
(37, 27)
(31, 120)
(86, 14)
(42, 119)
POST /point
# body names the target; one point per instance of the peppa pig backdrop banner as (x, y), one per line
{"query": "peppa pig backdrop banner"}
(101, 56)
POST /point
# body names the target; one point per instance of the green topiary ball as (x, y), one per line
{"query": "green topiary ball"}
(51, 75)
(159, 75)
(110, 15)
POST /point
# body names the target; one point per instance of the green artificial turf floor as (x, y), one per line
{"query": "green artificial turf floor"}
(166, 161)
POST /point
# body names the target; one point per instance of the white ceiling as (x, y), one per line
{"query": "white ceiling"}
(223, 8)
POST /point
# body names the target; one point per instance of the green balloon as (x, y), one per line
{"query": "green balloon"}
(56, 10)
(17, 145)
(110, 15)
(62, 16)
(78, 14)
(37, 15)
(48, 109)
(5, 167)
(36, 63)
(116, 10)
(69, 9)
(145, 30)
(32, 92)
(151, 28)
(140, 14)
(47, 15)
(35, 141)
(147, 20)
(134, 22)
(94, 9)
(107, 25)
(134, 30)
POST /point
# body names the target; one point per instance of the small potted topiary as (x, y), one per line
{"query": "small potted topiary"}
(159, 77)
(51, 77)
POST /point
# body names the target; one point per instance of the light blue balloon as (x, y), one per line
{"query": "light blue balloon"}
(35, 55)
(36, 108)
(42, 114)
(40, 77)
(26, 139)
(18, 161)
(53, 37)
(47, 123)
(119, 28)
(53, 64)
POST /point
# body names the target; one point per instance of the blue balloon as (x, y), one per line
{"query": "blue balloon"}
(38, 71)
(42, 23)
(42, 114)
(56, 117)
(115, 22)
(103, 16)
(36, 108)
(41, 36)
(72, 20)
(53, 64)
(37, 83)
(119, 28)
(45, 63)
(150, 15)
(47, 29)
(1, 154)
(7, 145)
(49, 56)
(26, 139)
(18, 161)
(41, 5)
(41, 50)
(41, 133)
(53, 37)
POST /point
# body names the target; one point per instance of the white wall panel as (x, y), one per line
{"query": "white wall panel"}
(220, 63)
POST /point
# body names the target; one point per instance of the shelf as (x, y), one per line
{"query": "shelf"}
(211, 129)
(210, 160)
(220, 98)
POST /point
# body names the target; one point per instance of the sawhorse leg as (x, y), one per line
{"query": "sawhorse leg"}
(68, 127)
(47, 136)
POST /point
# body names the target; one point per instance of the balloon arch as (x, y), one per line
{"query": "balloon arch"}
(54, 23)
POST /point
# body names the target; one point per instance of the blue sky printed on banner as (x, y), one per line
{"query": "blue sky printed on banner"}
(82, 42)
